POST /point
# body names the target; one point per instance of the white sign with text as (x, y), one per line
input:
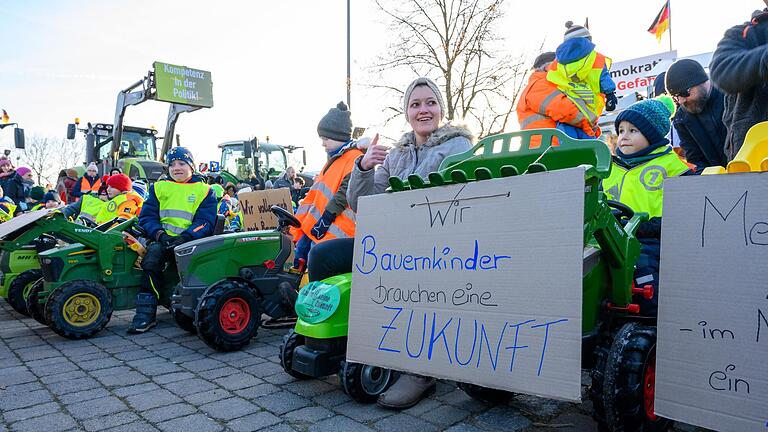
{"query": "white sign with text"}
(478, 282)
(636, 75)
(713, 303)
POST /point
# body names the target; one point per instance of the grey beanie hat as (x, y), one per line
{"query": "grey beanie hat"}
(337, 124)
(574, 31)
(423, 81)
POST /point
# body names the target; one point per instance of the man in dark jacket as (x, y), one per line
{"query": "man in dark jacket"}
(699, 121)
(740, 68)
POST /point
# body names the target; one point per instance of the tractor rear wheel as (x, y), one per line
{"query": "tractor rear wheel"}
(228, 315)
(19, 289)
(623, 381)
(364, 383)
(79, 309)
(487, 395)
(35, 309)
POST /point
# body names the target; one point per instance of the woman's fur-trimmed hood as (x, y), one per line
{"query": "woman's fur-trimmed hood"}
(439, 136)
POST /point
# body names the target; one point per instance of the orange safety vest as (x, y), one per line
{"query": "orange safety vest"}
(86, 187)
(321, 192)
(580, 81)
(541, 105)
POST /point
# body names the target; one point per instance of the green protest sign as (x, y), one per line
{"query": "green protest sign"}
(184, 85)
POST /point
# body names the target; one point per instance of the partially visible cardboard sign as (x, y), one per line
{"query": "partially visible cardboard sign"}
(713, 303)
(476, 282)
(256, 207)
(21, 221)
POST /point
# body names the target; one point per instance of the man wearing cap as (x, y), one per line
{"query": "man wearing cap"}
(178, 210)
(543, 106)
(324, 213)
(699, 119)
(739, 68)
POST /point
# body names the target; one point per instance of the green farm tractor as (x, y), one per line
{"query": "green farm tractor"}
(85, 280)
(618, 344)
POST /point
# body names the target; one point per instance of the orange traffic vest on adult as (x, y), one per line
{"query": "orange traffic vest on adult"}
(322, 191)
(86, 187)
(542, 105)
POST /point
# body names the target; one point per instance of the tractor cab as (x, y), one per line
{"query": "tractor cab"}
(270, 159)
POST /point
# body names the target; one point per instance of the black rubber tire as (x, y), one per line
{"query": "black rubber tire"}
(18, 286)
(209, 327)
(184, 322)
(486, 395)
(617, 391)
(35, 309)
(364, 383)
(291, 340)
(54, 309)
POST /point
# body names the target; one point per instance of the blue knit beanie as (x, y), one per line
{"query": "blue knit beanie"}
(650, 116)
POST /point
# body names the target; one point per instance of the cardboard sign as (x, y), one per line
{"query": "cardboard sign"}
(637, 74)
(184, 85)
(713, 303)
(21, 221)
(256, 206)
(476, 282)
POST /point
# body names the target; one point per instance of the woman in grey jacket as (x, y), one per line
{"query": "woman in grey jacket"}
(418, 152)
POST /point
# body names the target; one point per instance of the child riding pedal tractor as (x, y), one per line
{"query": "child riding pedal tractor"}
(610, 312)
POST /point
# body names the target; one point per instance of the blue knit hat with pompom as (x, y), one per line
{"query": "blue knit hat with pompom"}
(650, 117)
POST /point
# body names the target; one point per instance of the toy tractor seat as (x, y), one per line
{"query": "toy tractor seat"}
(511, 154)
(219, 227)
(753, 155)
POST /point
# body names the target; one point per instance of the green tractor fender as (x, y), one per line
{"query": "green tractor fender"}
(323, 308)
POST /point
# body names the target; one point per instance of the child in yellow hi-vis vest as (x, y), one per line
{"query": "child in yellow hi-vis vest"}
(582, 74)
(177, 210)
(643, 161)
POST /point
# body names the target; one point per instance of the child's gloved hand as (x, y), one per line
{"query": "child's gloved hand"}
(611, 101)
(321, 227)
(164, 238)
(176, 241)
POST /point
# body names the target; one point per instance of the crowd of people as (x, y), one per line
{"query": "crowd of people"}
(568, 90)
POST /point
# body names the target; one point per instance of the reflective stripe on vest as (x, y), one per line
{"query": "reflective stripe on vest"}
(642, 187)
(580, 81)
(90, 207)
(321, 193)
(179, 203)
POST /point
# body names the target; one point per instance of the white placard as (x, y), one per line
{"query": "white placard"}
(477, 282)
(637, 74)
(713, 303)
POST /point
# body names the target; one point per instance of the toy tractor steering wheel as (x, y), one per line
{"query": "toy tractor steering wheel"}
(620, 210)
(284, 217)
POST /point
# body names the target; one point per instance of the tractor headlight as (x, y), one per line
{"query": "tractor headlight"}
(184, 251)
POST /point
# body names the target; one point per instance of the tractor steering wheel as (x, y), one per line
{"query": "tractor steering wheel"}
(620, 210)
(284, 217)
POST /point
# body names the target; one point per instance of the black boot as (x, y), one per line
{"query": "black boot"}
(146, 309)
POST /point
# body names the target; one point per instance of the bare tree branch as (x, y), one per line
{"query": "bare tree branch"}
(456, 42)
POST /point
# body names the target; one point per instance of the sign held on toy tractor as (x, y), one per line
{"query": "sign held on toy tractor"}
(713, 302)
(256, 207)
(477, 282)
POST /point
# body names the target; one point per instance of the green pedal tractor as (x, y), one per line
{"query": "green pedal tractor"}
(618, 344)
(229, 280)
(21, 240)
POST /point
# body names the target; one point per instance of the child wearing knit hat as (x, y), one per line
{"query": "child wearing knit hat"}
(643, 161)
(582, 74)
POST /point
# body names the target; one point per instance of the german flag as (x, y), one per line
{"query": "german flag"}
(661, 23)
(5, 117)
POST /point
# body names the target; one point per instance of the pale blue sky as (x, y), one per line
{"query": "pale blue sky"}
(277, 67)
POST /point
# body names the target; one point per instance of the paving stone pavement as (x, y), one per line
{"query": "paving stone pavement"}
(168, 380)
